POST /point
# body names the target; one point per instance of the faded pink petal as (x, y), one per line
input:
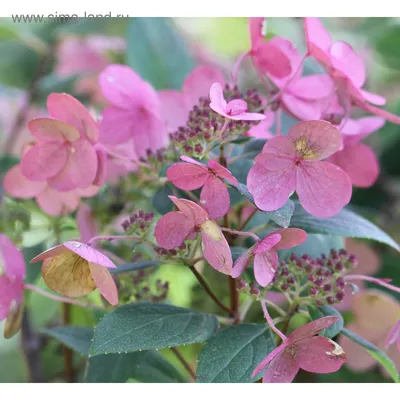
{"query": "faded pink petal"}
(69, 110)
(216, 251)
(18, 186)
(318, 40)
(102, 165)
(278, 154)
(311, 329)
(312, 87)
(55, 203)
(368, 260)
(274, 353)
(117, 125)
(218, 103)
(125, 89)
(214, 197)
(271, 189)
(236, 107)
(242, 262)
(261, 130)
(267, 243)
(89, 254)
(172, 229)
(373, 98)
(44, 161)
(290, 237)
(175, 111)
(316, 355)
(104, 282)
(360, 164)
(11, 259)
(80, 169)
(322, 137)
(197, 83)
(87, 224)
(52, 252)
(303, 109)
(282, 369)
(323, 188)
(265, 265)
(50, 129)
(256, 30)
(187, 176)
(348, 62)
(8, 293)
(196, 214)
(270, 59)
(222, 172)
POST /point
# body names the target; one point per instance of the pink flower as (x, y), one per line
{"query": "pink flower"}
(191, 175)
(75, 269)
(12, 265)
(357, 159)
(265, 254)
(235, 109)
(174, 227)
(266, 57)
(87, 224)
(307, 97)
(134, 113)
(345, 67)
(292, 163)
(176, 105)
(302, 349)
(375, 315)
(262, 130)
(64, 155)
(49, 200)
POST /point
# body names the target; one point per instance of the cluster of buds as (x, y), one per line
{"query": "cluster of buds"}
(179, 252)
(136, 287)
(138, 223)
(320, 280)
(204, 124)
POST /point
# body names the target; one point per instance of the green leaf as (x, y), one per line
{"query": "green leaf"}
(326, 311)
(346, 223)
(376, 353)
(54, 83)
(129, 267)
(8, 32)
(253, 148)
(77, 338)
(143, 326)
(232, 354)
(7, 161)
(144, 366)
(281, 216)
(157, 52)
(161, 202)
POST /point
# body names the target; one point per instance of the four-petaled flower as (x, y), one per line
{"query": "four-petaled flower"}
(302, 349)
(75, 269)
(65, 154)
(235, 109)
(174, 227)
(12, 265)
(346, 68)
(292, 163)
(265, 253)
(191, 175)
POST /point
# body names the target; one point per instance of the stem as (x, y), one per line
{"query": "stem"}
(240, 233)
(205, 286)
(60, 299)
(68, 366)
(378, 281)
(31, 345)
(278, 130)
(271, 322)
(220, 133)
(243, 225)
(276, 307)
(245, 308)
(234, 296)
(235, 70)
(96, 238)
(187, 366)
